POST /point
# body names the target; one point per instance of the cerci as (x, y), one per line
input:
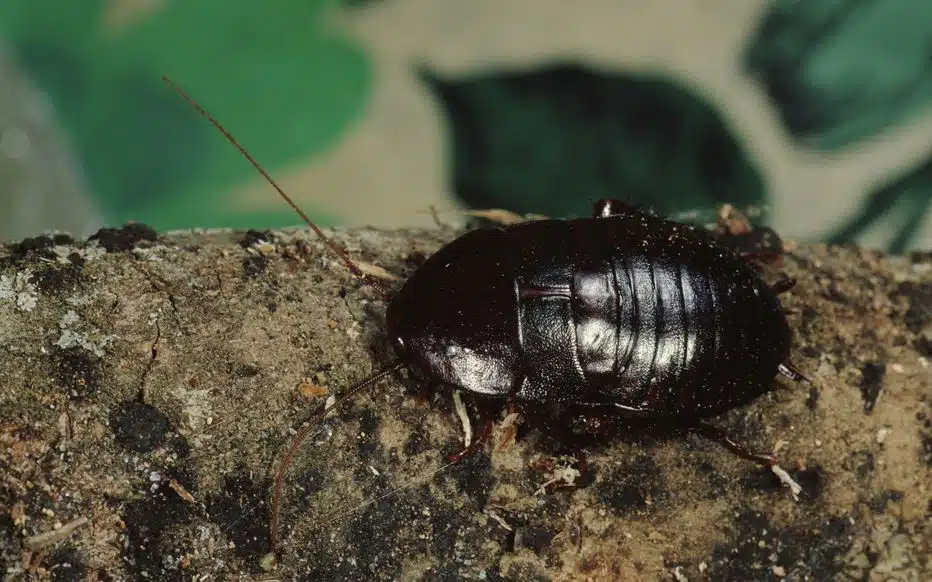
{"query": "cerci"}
(624, 312)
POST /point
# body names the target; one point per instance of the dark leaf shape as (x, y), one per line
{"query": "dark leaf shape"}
(908, 198)
(842, 70)
(552, 140)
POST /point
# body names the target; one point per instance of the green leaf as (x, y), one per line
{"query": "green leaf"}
(553, 140)
(842, 70)
(65, 23)
(283, 85)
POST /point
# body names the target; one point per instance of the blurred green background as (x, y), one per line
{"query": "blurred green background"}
(371, 111)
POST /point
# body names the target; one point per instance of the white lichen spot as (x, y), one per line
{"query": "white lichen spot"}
(69, 319)
(20, 290)
(93, 251)
(75, 334)
(148, 253)
(63, 254)
(79, 300)
(90, 252)
(27, 301)
(882, 435)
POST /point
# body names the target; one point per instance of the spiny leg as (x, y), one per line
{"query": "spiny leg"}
(768, 460)
(718, 435)
(486, 435)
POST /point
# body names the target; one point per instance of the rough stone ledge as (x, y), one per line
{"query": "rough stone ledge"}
(150, 382)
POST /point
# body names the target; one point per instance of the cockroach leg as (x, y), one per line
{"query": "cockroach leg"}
(721, 437)
(379, 288)
(473, 447)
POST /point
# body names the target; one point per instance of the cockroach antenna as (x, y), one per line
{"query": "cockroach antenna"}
(354, 269)
(306, 432)
(339, 252)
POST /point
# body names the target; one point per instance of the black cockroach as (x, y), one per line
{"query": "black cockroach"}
(624, 312)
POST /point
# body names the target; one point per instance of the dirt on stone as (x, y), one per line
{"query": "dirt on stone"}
(149, 387)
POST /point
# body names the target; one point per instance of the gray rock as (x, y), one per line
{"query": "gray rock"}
(152, 390)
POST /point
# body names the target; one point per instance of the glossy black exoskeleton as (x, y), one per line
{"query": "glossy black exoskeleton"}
(623, 312)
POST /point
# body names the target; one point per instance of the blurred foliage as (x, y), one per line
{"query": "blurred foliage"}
(149, 156)
(839, 71)
(547, 139)
(908, 198)
(842, 70)
(552, 140)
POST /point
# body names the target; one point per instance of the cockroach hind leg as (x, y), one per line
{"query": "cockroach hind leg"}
(718, 435)
(790, 372)
(768, 460)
